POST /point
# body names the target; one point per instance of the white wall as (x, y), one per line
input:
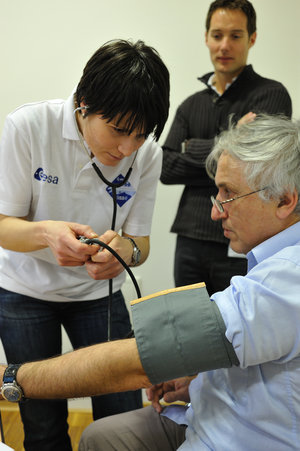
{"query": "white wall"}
(45, 45)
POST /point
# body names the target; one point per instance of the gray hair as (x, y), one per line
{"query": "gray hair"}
(269, 149)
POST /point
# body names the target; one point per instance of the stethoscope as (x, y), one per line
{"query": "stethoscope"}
(114, 187)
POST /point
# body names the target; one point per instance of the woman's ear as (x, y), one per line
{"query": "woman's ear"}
(84, 109)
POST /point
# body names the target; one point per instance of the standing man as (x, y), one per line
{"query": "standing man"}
(232, 90)
(55, 150)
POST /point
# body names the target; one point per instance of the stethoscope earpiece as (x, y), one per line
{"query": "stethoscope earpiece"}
(84, 115)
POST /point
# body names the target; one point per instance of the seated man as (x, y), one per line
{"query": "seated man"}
(245, 341)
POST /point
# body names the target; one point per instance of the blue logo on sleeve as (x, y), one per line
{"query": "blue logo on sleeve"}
(42, 177)
(124, 193)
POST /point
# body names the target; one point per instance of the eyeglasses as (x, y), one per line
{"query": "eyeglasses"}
(219, 204)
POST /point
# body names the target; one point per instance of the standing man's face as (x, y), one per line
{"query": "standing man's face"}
(228, 42)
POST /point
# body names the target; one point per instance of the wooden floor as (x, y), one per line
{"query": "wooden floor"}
(78, 420)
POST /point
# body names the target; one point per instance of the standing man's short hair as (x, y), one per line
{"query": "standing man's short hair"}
(243, 5)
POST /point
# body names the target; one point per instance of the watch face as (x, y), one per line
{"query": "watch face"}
(137, 256)
(11, 393)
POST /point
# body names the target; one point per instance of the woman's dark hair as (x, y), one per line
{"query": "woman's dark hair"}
(243, 5)
(127, 80)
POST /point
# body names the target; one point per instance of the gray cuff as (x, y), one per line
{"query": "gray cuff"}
(180, 332)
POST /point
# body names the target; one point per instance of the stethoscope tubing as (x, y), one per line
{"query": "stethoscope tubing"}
(114, 187)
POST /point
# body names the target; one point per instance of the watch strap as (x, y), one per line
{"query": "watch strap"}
(10, 372)
(136, 254)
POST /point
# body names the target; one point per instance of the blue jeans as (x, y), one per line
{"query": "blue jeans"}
(205, 261)
(30, 329)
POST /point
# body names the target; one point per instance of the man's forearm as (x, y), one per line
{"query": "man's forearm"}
(103, 368)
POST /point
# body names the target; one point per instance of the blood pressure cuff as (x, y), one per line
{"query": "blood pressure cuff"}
(180, 332)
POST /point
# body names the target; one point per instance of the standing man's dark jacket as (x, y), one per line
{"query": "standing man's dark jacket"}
(198, 120)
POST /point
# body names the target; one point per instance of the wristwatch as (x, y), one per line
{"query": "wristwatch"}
(136, 254)
(11, 390)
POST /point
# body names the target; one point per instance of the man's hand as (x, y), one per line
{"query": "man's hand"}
(171, 391)
(249, 117)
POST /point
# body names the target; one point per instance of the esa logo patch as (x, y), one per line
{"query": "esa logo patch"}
(124, 192)
(42, 177)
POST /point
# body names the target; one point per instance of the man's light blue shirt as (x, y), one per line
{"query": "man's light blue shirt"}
(255, 406)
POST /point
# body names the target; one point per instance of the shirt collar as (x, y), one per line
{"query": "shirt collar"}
(245, 76)
(69, 130)
(285, 238)
(211, 83)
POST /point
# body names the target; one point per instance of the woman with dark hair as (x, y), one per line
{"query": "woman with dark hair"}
(87, 166)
